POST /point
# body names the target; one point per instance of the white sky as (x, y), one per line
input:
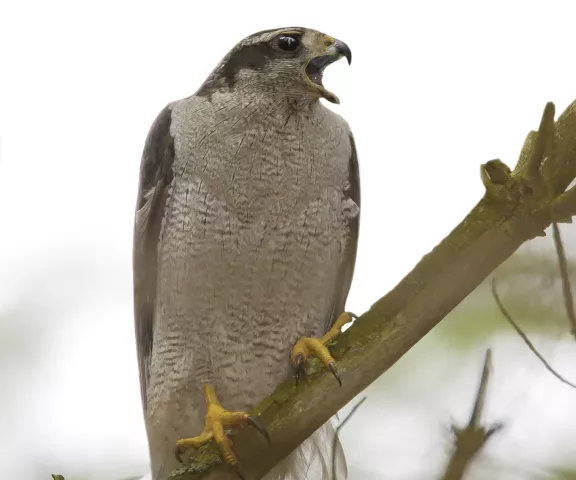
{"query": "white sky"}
(435, 89)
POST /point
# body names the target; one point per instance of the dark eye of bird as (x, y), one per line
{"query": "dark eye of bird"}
(288, 43)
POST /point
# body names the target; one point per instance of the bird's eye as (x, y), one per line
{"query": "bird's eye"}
(288, 43)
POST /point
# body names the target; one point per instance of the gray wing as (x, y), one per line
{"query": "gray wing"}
(346, 270)
(155, 178)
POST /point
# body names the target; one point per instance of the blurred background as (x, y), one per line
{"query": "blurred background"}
(435, 89)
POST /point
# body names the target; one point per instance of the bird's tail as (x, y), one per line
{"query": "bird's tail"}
(320, 457)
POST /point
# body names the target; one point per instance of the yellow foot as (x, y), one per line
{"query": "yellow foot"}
(217, 419)
(317, 346)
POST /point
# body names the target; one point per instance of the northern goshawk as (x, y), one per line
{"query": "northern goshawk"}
(244, 246)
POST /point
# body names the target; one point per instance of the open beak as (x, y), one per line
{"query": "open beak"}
(316, 66)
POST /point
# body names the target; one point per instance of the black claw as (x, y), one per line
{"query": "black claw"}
(178, 454)
(236, 469)
(299, 368)
(353, 315)
(334, 370)
(261, 430)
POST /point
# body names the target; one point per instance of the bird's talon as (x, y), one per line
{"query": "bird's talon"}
(178, 453)
(259, 428)
(305, 346)
(218, 420)
(298, 375)
(299, 360)
(299, 366)
(334, 370)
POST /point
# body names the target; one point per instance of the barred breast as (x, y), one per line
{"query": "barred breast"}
(255, 230)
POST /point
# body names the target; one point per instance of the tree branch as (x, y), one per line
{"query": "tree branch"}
(516, 207)
(470, 440)
(566, 288)
(565, 205)
(524, 337)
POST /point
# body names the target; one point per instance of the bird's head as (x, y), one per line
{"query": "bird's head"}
(285, 61)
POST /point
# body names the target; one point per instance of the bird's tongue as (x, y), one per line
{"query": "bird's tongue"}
(315, 77)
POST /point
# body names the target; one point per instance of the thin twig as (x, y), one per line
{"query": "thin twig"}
(525, 337)
(471, 439)
(566, 289)
(481, 395)
(338, 428)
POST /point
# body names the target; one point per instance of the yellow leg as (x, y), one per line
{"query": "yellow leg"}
(218, 419)
(306, 346)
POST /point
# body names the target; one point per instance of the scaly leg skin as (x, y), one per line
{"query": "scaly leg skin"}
(317, 346)
(217, 419)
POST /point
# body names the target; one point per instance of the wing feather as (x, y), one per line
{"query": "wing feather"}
(155, 178)
(346, 270)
